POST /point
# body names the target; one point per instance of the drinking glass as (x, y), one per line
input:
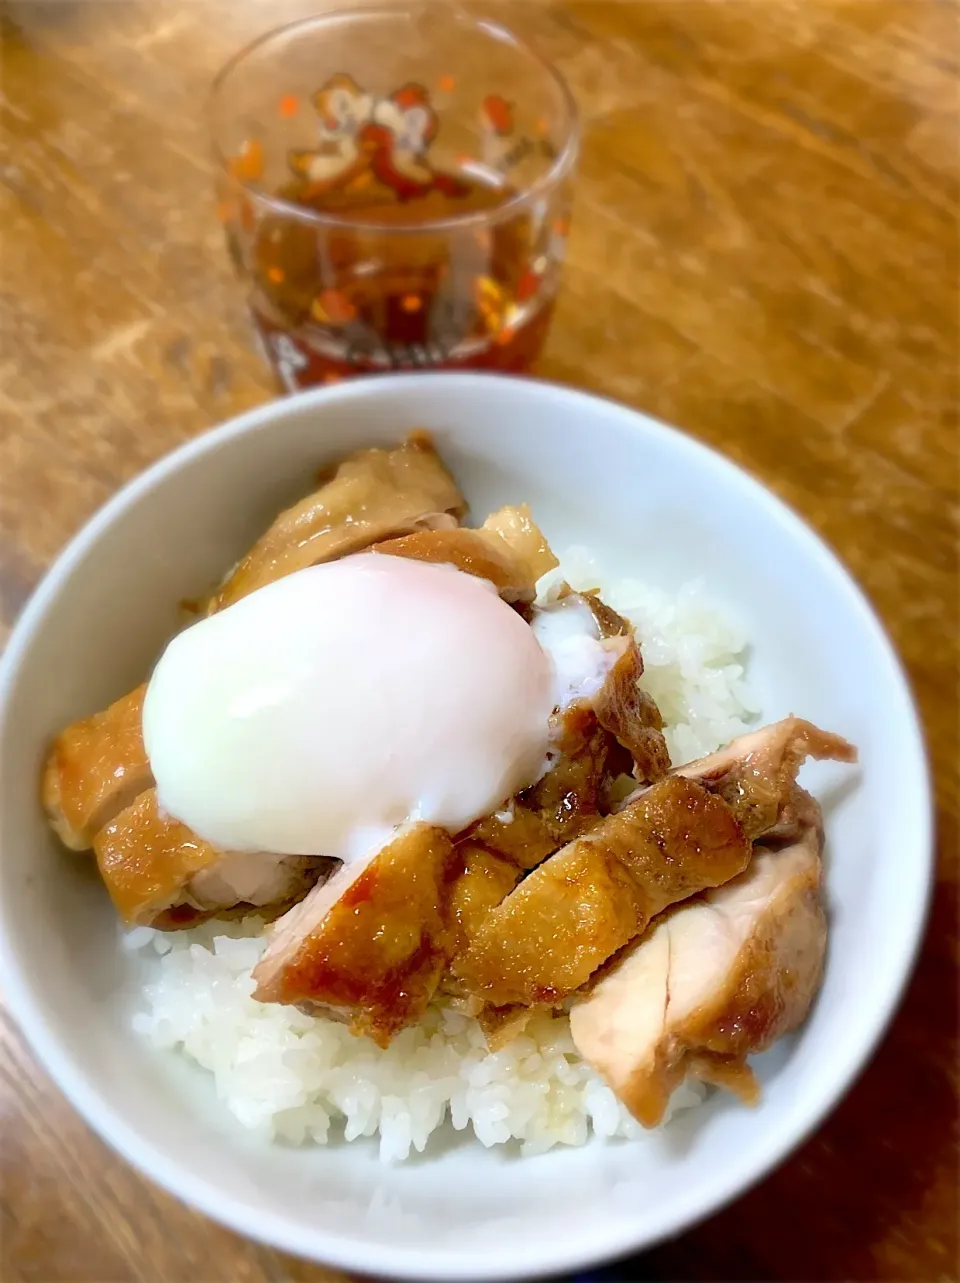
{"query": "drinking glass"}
(395, 190)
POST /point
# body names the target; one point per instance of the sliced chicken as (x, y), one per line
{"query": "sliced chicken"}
(487, 878)
(591, 743)
(564, 803)
(95, 768)
(515, 526)
(372, 495)
(523, 834)
(711, 983)
(482, 881)
(609, 622)
(469, 551)
(620, 706)
(372, 943)
(756, 773)
(592, 897)
(594, 741)
(500, 1025)
(632, 716)
(255, 879)
(161, 874)
(595, 895)
(508, 550)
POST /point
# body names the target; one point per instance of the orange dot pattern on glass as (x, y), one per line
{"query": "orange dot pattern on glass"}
(332, 307)
(248, 164)
(356, 293)
(527, 286)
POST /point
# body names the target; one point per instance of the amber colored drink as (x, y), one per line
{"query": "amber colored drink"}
(395, 185)
(354, 301)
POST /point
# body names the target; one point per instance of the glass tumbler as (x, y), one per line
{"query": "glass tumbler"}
(395, 189)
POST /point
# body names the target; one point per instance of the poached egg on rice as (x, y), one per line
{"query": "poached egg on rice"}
(325, 710)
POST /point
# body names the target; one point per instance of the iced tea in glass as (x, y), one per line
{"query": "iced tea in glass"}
(395, 190)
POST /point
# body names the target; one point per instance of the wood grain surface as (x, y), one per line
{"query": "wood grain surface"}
(764, 252)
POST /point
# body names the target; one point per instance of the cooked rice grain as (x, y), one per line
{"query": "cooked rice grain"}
(292, 1076)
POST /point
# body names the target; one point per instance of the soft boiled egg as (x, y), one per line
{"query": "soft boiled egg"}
(322, 711)
(567, 630)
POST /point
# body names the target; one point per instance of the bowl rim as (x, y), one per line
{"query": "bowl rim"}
(408, 1262)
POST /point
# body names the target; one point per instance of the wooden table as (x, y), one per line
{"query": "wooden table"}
(764, 253)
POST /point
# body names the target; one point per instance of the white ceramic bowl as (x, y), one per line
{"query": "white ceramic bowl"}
(649, 500)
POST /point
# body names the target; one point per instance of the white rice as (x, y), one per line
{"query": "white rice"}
(305, 1079)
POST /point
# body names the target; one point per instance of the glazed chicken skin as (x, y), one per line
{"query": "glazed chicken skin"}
(161, 874)
(689, 832)
(595, 740)
(509, 550)
(145, 860)
(371, 944)
(94, 769)
(599, 892)
(484, 881)
(629, 713)
(756, 773)
(591, 741)
(711, 983)
(372, 495)
(502, 846)
(567, 801)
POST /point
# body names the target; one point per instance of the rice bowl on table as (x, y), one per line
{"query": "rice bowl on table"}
(449, 817)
